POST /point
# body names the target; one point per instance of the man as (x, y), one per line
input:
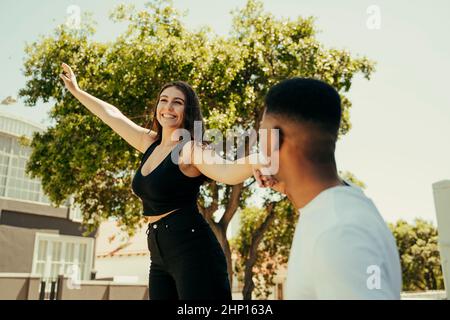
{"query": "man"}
(342, 248)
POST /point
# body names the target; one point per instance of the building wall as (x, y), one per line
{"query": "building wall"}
(64, 226)
(18, 205)
(441, 192)
(16, 252)
(21, 286)
(109, 267)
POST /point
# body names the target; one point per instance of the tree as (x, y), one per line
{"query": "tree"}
(350, 177)
(263, 244)
(419, 255)
(79, 155)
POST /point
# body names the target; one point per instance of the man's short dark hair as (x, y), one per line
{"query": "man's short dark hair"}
(312, 102)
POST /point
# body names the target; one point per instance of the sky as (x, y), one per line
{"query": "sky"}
(399, 143)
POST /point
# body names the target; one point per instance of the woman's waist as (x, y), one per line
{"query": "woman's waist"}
(186, 216)
(154, 218)
(159, 212)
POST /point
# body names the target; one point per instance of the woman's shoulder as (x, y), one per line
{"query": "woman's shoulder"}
(150, 138)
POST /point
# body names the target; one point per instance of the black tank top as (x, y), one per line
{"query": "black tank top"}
(166, 187)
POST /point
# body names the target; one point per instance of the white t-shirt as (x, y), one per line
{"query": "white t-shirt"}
(343, 249)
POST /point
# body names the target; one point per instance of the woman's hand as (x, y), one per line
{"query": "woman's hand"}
(70, 81)
(268, 181)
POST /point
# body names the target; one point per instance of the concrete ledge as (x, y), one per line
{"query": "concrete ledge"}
(101, 290)
(19, 275)
(19, 286)
(425, 295)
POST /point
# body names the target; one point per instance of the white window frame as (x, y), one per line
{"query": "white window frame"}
(64, 240)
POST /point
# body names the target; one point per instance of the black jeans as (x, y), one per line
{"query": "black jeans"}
(187, 261)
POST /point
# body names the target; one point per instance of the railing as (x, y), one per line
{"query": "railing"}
(48, 289)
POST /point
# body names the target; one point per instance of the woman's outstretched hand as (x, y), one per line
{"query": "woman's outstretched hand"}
(70, 81)
(268, 181)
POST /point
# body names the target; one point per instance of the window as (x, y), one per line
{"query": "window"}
(14, 182)
(56, 254)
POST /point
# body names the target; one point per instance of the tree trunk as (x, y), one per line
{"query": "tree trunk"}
(249, 285)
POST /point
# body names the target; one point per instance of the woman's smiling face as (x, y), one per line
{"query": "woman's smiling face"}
(170, 109)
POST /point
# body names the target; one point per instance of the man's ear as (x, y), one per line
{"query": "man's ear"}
(280, 137)
(273, 158)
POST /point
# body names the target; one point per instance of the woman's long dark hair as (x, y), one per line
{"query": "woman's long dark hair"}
(192, 111)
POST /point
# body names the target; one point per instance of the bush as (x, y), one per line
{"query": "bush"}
(419, 255)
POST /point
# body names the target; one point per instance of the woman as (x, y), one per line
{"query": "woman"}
(187, 261)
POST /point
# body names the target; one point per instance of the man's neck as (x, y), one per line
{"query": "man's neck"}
(300, 195)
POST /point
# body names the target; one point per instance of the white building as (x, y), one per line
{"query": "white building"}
(35, 237)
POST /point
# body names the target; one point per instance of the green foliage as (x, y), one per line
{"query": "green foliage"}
(419, 255)
(80, 155)
(350, 177)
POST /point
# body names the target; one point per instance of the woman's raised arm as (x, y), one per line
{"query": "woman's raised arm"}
(138, 137)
